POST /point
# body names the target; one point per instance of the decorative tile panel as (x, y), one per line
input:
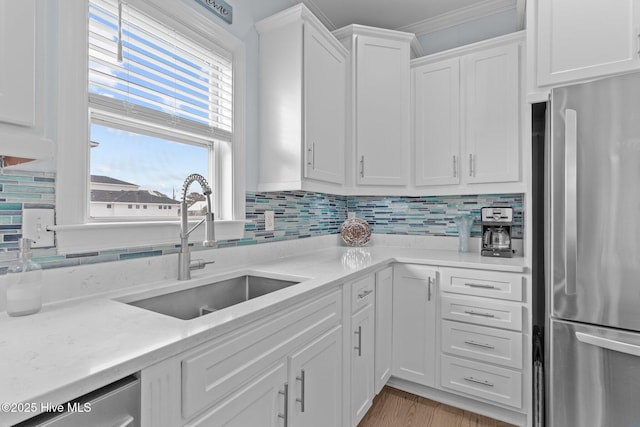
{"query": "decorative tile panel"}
(298, 215)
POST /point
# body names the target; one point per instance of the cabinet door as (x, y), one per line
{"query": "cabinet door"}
(383, 327)
(315, 379)
(382, 111)
(414, 323)
(259, 403)
(17, 62)
(362, 363)
(492, 101)
(582, 39)
(324, 108)
(437, 122)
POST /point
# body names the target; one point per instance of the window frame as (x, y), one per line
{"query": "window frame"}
(75, 231)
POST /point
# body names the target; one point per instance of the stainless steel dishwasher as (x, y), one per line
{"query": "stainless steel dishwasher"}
(115, 405)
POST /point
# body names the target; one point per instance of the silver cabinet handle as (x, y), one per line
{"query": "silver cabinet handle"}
(470, 164)
(478, 285)
(571, 200)
(359, 346)
(476, 313)
(365, 293)
(301, 378)
(310, 155)
(285, 415)
(362, 167)
(609, 344)
(481, 382)
(455, 167)
(479, 344)
(429, 288)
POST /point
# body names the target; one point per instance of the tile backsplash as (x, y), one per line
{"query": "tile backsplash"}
(298, 215)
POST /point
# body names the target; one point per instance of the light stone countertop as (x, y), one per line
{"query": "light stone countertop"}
(75, 346)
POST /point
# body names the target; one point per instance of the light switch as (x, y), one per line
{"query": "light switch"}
(34, 227)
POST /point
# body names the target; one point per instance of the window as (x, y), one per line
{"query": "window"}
(126, 113)
(160, 103)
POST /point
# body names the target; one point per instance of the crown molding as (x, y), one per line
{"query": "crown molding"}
(471, 13)
(319, 14)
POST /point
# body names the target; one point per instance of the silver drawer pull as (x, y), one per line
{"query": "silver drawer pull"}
(478, 285)
(479, 344)
(481, 382)
(475, 313)
(365, 293)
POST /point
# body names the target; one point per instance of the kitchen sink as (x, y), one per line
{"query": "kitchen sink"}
(201, 300)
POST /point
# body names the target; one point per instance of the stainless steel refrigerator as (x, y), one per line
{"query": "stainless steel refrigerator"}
(593, 254)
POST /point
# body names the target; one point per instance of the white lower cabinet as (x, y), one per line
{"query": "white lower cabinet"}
(482, 319)
(315, 382)
(383, 328)
(284, 369)
(261, 402)
(362, 351)
(320, 363)
(414, 323)
(482, 380)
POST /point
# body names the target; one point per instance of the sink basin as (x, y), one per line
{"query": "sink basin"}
(201, 300)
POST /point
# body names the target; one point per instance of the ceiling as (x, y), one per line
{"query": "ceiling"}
(416, 16)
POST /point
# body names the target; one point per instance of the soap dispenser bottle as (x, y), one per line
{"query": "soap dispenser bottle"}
(24, 283)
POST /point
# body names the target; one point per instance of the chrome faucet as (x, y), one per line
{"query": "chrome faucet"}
(185, 265)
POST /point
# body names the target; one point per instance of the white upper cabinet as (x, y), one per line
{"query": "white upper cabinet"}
(380, 104)
(467, 115)
(302, 103)
(437, 122)
(492, 115)
(324, 107)
(24, 80)
(583, 39)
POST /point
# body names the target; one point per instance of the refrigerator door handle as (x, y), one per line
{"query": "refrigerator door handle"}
(571, 200)
(619, 346)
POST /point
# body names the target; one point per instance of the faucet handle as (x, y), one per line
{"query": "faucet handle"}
(198, 264)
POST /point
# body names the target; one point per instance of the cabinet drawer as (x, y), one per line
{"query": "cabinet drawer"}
(363, 292)
(478, 379)
(483, 344)
(218, 368)
(482, 311)
(490, 284)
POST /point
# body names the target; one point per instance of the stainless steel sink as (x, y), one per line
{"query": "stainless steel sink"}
(200, 300)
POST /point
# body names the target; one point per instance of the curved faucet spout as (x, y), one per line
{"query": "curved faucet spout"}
(185, 267)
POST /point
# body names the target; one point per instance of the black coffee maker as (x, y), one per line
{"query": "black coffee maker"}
(496, 231)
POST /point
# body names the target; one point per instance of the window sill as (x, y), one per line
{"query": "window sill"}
(103, 236)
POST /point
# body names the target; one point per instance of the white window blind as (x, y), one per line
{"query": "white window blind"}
(145, 75)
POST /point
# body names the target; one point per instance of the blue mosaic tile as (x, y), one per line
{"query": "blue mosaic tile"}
(298, 215)
(136, 255)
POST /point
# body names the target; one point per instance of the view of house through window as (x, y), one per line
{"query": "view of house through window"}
(135, 175)
(160, 98)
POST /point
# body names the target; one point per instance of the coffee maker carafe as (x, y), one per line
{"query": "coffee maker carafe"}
(496, 231)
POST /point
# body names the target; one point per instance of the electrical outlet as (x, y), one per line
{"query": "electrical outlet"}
(269, 220)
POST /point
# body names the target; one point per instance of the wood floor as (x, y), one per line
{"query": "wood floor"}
(396, 408)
